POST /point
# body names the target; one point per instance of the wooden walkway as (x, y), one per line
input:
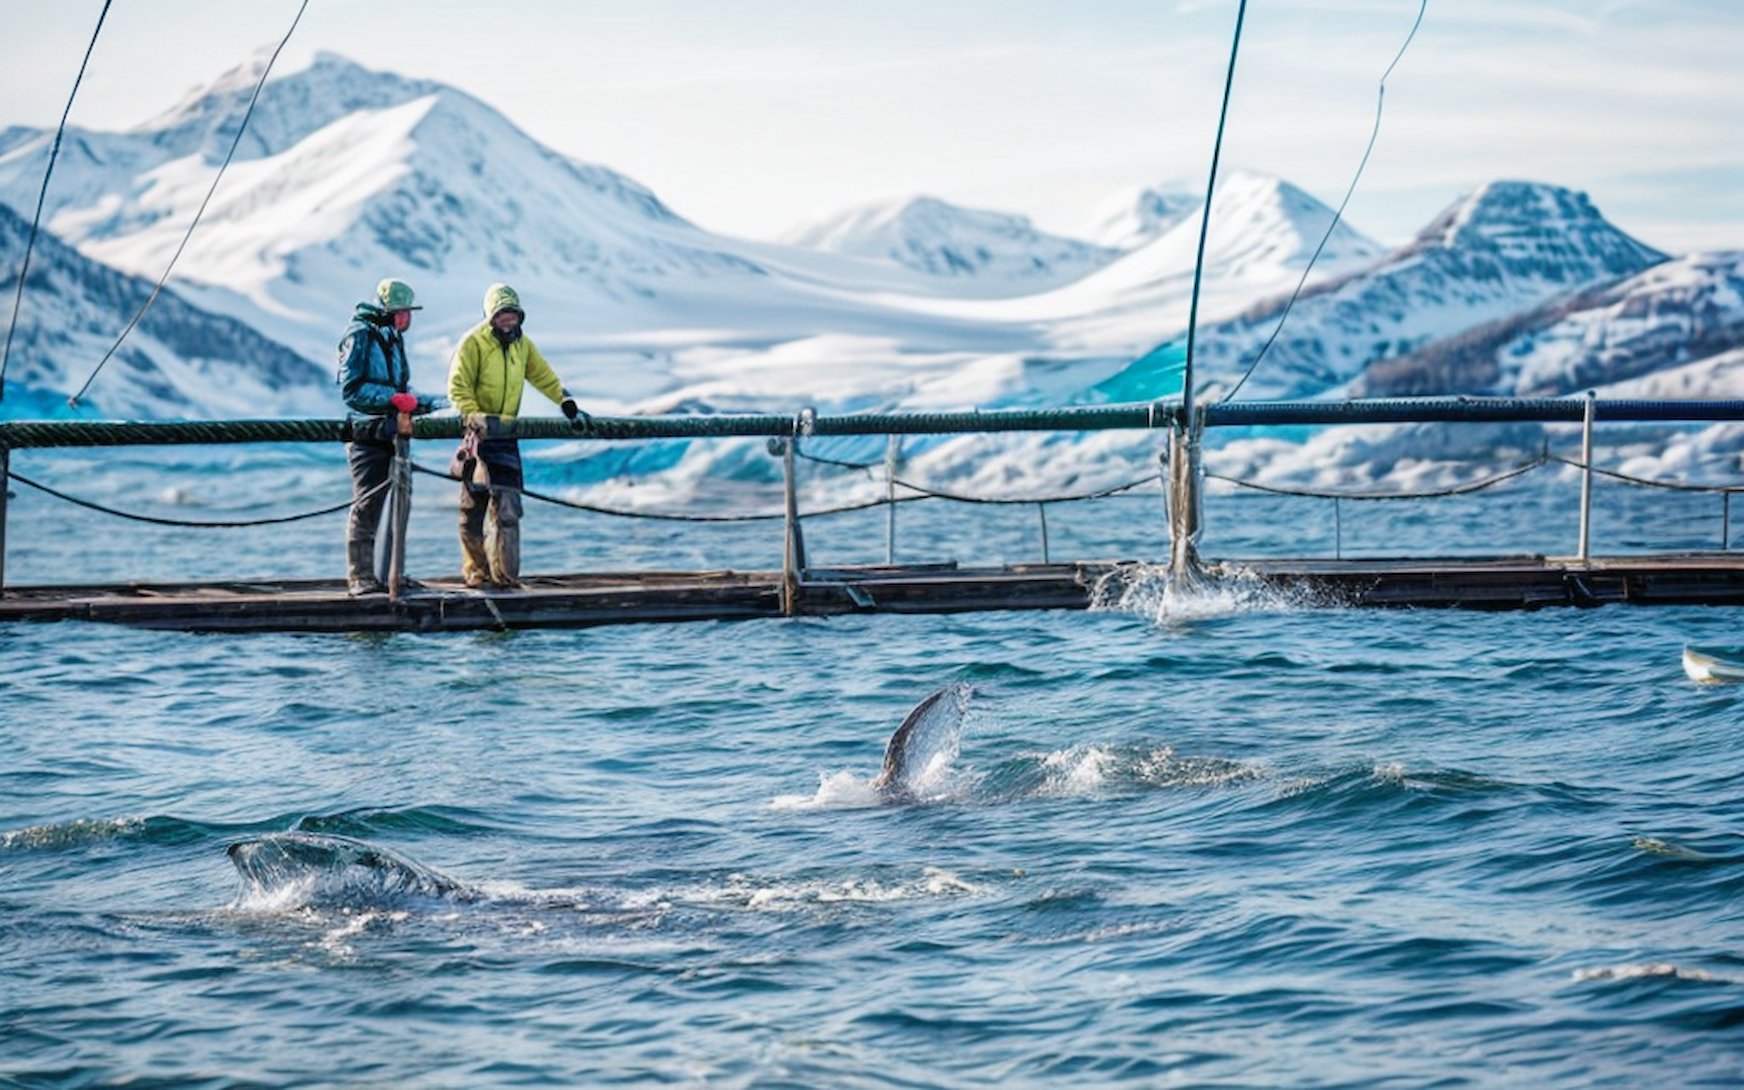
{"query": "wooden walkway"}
(575, 601)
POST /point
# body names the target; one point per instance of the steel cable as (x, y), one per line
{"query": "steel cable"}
(42, 195)
(1337, 216)
(73, 401)
(1319, 494)
(206, 524)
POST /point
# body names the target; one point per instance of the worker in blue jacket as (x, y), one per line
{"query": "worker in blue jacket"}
(375, 381)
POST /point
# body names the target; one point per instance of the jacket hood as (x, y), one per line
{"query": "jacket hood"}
(500, 297)
(371, 313)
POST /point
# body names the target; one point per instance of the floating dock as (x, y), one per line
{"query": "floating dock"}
(586, 600)
(799, 589)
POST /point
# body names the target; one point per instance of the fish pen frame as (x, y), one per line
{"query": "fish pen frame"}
(1184, 478)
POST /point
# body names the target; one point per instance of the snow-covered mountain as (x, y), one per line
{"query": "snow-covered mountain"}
(1506, 247)
(988, 252)
(1671, 319)
(1133, 217)
(180, 361)
(1263, 230)
(348, 175)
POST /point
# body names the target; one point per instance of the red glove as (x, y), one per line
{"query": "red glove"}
(403, 402)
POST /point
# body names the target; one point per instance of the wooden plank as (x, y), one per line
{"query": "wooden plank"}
(598, 598)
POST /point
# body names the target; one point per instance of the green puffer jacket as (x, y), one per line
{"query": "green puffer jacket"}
(485, 378)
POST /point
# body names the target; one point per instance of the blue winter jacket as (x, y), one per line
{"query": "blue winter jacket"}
(373, 367)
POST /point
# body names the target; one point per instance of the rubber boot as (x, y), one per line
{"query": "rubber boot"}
(474, 563)
(360, 567)
(503, 537)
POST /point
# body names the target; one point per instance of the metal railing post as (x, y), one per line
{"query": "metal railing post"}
(1042, 513)
(793, 554)
(891, 445)
(1185, 498)
(1163, 482)
(1586, 507)
(1725, 524)
(401, 510)
(1337, 529)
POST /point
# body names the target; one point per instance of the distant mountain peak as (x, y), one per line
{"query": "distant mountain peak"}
(1506, 246)
(1261, 221)
(941, 239)
(292, 105)
(1133, 217)
(1536, 225)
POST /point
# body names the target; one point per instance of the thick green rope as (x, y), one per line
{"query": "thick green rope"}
(25, 434)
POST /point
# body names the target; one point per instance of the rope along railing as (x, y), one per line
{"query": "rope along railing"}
(1426, 494)
(666, 516)
(917, 492)
(1648, 482)
(200, 524)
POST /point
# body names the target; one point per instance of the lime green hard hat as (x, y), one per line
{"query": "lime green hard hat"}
(396, 295)
(501, 297)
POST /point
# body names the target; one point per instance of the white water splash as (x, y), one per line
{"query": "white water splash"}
(836, 791)
(1099, 768)
(1646, 971)
(938, 781)
(927, 772)
(1077, 772)
(276, 899)
(1150, 591)
(336, 942)
(746, 891)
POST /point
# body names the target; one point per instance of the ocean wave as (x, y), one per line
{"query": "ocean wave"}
(83, 832)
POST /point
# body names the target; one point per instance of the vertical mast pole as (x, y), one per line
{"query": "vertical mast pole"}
(1184, 461)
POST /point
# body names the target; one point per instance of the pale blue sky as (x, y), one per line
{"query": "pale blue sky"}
(748, 115)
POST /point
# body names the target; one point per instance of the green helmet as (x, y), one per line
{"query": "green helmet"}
(501, 297)
(396, 295)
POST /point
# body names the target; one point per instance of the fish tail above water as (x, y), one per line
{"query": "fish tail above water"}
(929, 733)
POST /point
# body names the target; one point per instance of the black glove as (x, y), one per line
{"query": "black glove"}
(578, 420)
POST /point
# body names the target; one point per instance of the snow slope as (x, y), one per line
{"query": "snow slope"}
(992, 253)
(1507, 247)
(1134, 217)
(180, 361)
(1669, 319)
(346, 175)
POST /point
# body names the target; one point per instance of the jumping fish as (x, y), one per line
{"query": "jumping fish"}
(929, 734)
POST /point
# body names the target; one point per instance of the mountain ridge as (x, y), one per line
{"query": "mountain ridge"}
(354, 174)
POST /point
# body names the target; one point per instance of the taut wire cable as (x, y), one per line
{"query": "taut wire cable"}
(42, 195)
(73, 402)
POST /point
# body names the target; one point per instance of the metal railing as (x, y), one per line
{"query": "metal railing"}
(1183, 486)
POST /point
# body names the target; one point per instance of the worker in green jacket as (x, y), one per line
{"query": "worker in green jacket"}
(491, 367)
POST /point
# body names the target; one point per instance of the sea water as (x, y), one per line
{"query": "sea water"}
(1228, 840)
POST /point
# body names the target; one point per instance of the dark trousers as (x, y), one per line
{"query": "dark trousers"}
(371, 461)
(490, 524)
